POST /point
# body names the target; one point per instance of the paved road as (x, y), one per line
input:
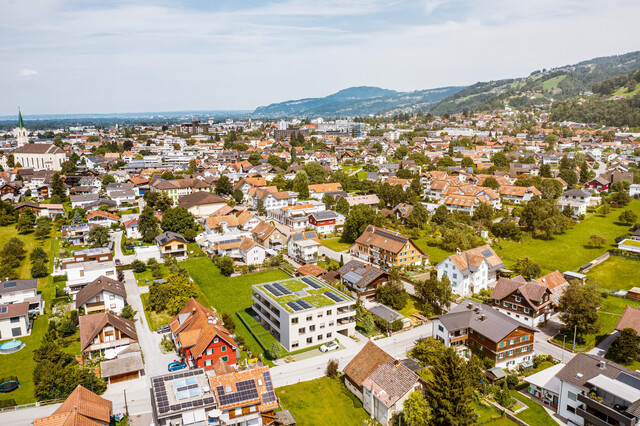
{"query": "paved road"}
(603, 346)
(117, 248)
(26, 416)
(313, 368)
(541, 341)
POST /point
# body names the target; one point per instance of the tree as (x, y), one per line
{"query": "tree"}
(38, 254)
(418, 217)
(39, 269)
(569, 176)
(138, 266)
(275, 351)
(301, 184)
(227, 320)
(596, 241)
(224, 186)
(440, 215)
(68, 168)
(260, 207)
(168, 175)
(148, 225)
(238, 195)
(171, 296)
(254, 158)
(107, 179)
(12, 252)
(43, 227)
(157, 200)
(193, 166)
(393, 295)
(526, 267)
(605, 209)
(368, 323)
(57, 186)
(25, 221)
(359, 218)
(78, 216)
(225, 263)
(416, 411)
(484, 212)
(342, 206)
(491, 182)
(435, 294)
(579, 306)
(178, 219)
(332, 369)
(628, 217)
(500, 159)
(98, 236)
(451, 390)
(128, 312)
(545, 171)
(329, 201)
(625, 348)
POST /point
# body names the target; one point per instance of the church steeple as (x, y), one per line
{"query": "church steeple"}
(20, 120)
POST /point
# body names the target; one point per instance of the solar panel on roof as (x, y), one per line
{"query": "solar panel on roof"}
(486, 253)
(311, 282)
(628, 379)
(234, 240)
(282, 288)
(391, 236)
(294, 306)
(10, 284)
(271, 289)
(310, 234)
(333, 296)
(297, 237)
(305, 304)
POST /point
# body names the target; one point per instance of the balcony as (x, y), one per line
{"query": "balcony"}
(345, 321)
(602, 414)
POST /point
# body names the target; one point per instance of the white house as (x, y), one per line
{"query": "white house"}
(102, 294)
(577, 199)
(81, 273)
(14, 320)
(303, 246)
(251, 252)
(202, 203)
(472, 270)
(103, 218)
(131, 229)
(20, 291)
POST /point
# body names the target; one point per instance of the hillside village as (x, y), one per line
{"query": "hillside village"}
(409, 269)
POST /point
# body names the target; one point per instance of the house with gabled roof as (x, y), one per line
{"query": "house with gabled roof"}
(105, 332)
(201, 338)
(362, 279)
(102, 294)
(269, 235)
(531, 303)
(386, 248)
(83, 408)
(472, 270)
(303, 246)
(518, 194)
(381, 382)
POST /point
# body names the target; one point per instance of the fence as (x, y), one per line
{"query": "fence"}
(594, 262)
(33, 404)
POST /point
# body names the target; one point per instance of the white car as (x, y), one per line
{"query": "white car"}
(331, 346)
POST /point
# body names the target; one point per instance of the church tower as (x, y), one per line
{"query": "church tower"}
(21, 132)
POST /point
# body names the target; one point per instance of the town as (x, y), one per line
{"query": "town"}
(407, 269)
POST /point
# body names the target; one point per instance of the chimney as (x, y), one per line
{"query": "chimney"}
(193, 311)
(458, 250)
(397, 362)
(476, 309)
(483, 317)
(470, 305)
(602, 365)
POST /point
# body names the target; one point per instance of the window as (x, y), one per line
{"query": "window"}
(208, 362)
(112, 297)
(309, 340)
(331, 324)
(328, 335)
(15, 332)
(322, 325)
(518, 299)
(112, 306)
(502, 344)
(329, 312)
(225, 358)
(527, 310)
(310, 318)
(505, 304)
(209, 351)
(572, 396)
(295, 345)
(319, 336)
(570, 408)
(216, 340)
(223, 348)
(455, 276)
(302, 330)
(497, 302)
(294, 320)
(238, 411)
(512, 341)
(440, 328)
(525, 338)
(15, 320)
(312, 328)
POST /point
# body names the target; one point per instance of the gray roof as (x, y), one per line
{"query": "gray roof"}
(18, 285)
(486, 321)
(123, 365)
(382, 311)
(395, 381)
(84, 197)
(324, 215)
(581, 193)
(167, 237)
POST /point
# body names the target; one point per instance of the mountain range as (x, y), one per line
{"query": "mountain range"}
(540, 87)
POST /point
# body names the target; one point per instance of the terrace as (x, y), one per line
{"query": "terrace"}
(306, 290)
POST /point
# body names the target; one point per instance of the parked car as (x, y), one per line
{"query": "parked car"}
(118, 262)
(164, 329)
(176, 365)
(331, 346)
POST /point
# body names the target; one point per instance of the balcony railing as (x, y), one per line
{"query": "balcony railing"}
(602, 410)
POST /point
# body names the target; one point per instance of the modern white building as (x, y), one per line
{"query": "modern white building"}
(20, 291)
(303, 247)
(472, 270)
(82, 273)
(577, 199)
(14, 320)
(303, 312)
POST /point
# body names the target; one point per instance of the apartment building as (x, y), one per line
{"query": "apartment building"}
(178, 187)
(472, 270)
(501, 338)
(303, 312)
(21, 291)
(303, 246)
(386, 248)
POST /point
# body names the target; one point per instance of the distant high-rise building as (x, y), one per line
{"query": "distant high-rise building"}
(20, 132)
(282, 125)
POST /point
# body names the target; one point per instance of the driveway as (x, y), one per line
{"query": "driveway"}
(602, 347)
(117, 248)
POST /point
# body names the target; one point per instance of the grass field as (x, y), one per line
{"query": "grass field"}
(435, 253)
(535, 414)
(30, 242)
(616, 273)
(552, 83)
(154, 319)
(567, 252)
(230, 294)
(490, 416)
(335, 244)
(322, 401)
(623, 92)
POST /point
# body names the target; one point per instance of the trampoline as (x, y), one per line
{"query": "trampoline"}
(11, 346)
(9, 384)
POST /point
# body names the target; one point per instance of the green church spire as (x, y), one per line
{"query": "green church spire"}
(20, 120)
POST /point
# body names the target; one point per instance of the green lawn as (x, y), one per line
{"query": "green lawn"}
(543, 366)
(335, 244)
(435, 253)
(410, 308)
(230, 294)
(146, 278)
(535, 414)
(490, 416)
(552, 83)
(616, 273)
(322, 401)
(567, 252)
(30, 242)
(154, 319)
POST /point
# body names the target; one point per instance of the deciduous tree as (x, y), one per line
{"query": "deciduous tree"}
(579, 306)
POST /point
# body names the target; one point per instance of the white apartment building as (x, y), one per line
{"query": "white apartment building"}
(303, 312)
(303, 246)
(20, 291)
(472, 270)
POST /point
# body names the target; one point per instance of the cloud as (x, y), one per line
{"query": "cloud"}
(27, 72)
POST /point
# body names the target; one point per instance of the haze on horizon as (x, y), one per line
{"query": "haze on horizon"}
(71, 56)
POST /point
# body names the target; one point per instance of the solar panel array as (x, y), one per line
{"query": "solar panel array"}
(246, 391)
(310, 235)
(234, 240)
(282, 288)
(311, 282)
(297, 237)
(191, 385)
(304, 304)
(271, 289)
(333, 296)
(269, 395)
(486, 253)
(294, 306)
(630, 380)
(391, 236)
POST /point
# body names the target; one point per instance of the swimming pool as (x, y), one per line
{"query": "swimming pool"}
(11, 346)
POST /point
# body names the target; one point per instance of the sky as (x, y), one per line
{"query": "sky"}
(93, 56)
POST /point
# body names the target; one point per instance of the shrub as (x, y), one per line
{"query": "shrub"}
(332, 368)
(512, 381)
(67, 328)
(275, 351)
(227, 319)
(128, 312)
(39, 270)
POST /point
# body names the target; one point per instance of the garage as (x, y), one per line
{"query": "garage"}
(127, 366)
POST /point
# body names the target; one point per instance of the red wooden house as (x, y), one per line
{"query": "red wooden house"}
(201, 338)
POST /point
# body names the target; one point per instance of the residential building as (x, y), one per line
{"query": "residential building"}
(369, 200)
(531, 303)
(317, 191)
(518, 194)
(472, 325)
(576, 199)
(381, 382)
(386, 248)
(81, 273)
(76, 234)
(545, 386)
(604, 182)
(83, 200)
(245, 397)
(82, 407)
(323, 222)
(49, 210)
(20, 291)
(269, 235)
(472, 270)
(178, 188)
(251, 252)
(303, 247)
(40, 156)
(596, 391)
(131, 229)
(362, 279)
(106, 334)
(102, 294)
(14, 320)
(630, 319)
(201, 338)
(184, 398)
(201, 204)
(310, 313)
(103, 218)
(272, 199)
(127, 365)
(296, 217)
(171, 244)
